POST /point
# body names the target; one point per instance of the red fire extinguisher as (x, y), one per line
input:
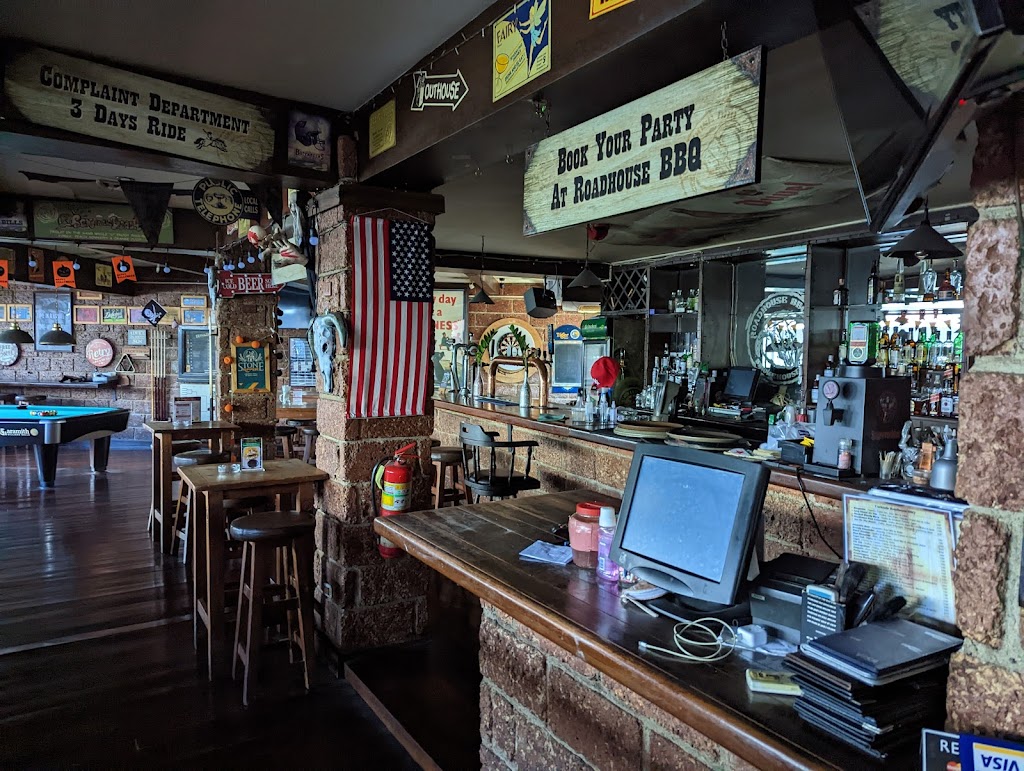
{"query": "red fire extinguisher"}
(393, 477)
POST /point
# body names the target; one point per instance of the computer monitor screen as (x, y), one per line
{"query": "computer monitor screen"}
(741, 384)
(688, 521)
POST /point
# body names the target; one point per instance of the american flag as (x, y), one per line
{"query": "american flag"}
(393, 290)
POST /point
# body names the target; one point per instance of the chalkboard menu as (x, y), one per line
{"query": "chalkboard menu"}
(52, 308)
(193, 355)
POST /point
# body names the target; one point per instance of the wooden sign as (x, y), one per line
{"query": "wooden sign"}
(85, 221)
(697, 136)
(52, 89)
(251, 368)
(229, 284)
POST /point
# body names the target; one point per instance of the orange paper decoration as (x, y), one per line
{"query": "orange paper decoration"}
(255, 343)
(228, 360)
(124, 268)
(228, 407)
(239, 340)
(63, 273)
(4, 270)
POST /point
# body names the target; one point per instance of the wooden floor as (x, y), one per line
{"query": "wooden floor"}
(97, 666)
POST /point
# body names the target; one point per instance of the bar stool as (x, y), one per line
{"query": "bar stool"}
(445, 459)
(194, 457)
(309, 435)
(285, 434)
(262, 535)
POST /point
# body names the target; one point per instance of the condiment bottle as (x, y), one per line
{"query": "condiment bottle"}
(606, 569)
(845, 453)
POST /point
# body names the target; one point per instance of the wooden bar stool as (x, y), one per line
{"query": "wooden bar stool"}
(445, 459)
(260, 599)
(194, 457)
(285, 434)
(309, 434)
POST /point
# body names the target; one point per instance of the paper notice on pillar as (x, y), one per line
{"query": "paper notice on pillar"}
(63, 273)
(522, 46)
(282, 274)
(4, 270)
(124, 268)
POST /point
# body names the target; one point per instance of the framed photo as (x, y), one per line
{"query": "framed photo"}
(81, 295)
(104, 275)
(250, 370)
(193, 317)
(173, 317)
(113, 314)
(3, 313)
(138, 337)
(87, 314)
(193, 301)
(135, 315)
(20, 313)
(49, 308)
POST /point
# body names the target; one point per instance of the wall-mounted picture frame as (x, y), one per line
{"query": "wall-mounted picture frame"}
(173, 317)
(81, 295)
(104, 275)
(3, 313)
(135, 316)
(193, 301)
(49, 309)
(193, 317)
(250, 368)
(20, 313)
(113, 314)
(87, 314)
(138, 337)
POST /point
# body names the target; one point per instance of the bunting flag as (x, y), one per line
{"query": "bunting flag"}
(124, 268)
(149, 201)
(63, 273)
(393, 289)
(4, 268)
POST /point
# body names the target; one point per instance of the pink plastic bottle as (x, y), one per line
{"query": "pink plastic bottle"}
(606, 569)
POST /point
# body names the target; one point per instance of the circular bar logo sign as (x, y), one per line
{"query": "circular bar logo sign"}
(217, 200)
(775, 337)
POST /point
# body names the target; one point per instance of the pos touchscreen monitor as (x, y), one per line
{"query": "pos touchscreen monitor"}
(688, 524)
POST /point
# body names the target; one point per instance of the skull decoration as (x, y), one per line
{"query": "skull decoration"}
(323, 344)
(281, 250)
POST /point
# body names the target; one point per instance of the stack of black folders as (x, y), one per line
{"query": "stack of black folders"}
(876, 686)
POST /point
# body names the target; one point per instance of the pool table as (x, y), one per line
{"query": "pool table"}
(46, 433)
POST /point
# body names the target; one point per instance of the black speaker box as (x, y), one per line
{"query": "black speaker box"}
(540, 303)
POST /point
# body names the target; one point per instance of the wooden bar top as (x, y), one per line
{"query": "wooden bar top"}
(477, 547)
(528, 418)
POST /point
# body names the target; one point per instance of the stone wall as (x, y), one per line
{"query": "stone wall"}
(52, 365)
(367, 601)
(569, 464)
(541, 708)
(987, 676)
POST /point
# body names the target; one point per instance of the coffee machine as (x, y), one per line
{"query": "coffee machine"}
(862, 405)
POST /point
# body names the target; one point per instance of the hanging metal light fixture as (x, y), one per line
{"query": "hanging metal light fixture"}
(923, 241)
(56, 336)
(587, 286)
(15, 335)
(481, 297)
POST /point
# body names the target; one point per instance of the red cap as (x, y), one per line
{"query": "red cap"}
(605, 372)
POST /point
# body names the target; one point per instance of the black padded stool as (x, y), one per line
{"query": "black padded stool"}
(309, 435)
(185, 445)
(285, 434)
(263, 535)
(444, 459)
(193, 457)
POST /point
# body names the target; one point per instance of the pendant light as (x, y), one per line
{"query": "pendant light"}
(587, 286)
(481, 297)
(56, 336)
(923, 241)
(15, 335)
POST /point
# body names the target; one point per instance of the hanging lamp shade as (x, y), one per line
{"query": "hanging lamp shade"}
(923, 241)
(56, 336)
(587, 279)
(15, 335)
(481, 297)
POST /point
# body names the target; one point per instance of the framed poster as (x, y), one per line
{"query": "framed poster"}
(135, 316)
(81, 295)
(52, 308)
(193, 317)
(138, 337)
(87, 314)
(20, 313)
(193, 301)
(449, 313)
(250, 368)
(113, 314)
(104, 275)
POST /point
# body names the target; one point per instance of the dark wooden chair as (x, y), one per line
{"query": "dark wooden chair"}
(495, 469)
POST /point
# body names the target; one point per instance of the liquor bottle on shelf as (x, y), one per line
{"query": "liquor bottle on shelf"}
(815, 388)
(873, 284)
(909, 349)
(946, 290)
(958, 346)
(926, 288)
(843, 348)
(673, 301)
(882, 357)
(947, 348)
(895, 346)
(956, 278)
(841, 295)
(899, 283)
(934, 348)
(922, 348)
(693, 301)
(830, 366)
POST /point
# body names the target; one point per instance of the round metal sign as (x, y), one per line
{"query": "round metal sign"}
(9, 353)
(775, 337)
(99, 352)
(217, 200)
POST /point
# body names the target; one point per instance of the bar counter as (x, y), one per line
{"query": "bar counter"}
(561, 666)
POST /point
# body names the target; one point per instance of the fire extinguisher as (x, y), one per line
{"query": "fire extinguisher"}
(393, 477)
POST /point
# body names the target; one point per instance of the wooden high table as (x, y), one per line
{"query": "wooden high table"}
(220, 433)
(477, 547)
(291, 481)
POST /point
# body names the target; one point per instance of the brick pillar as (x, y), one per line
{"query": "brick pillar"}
(368, 601)
(987, 676)
(253, 317)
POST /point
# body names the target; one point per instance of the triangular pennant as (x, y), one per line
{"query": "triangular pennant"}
(270, 198)
(124, 268)
(63, 273)
(149, 201)
(4, 269)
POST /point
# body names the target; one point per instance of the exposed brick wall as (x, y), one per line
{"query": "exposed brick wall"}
(372, 601)
(541, 708)
(987, 675)
(52, 365)
(569, 464)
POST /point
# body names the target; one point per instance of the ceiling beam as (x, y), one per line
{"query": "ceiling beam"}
(497, 264)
